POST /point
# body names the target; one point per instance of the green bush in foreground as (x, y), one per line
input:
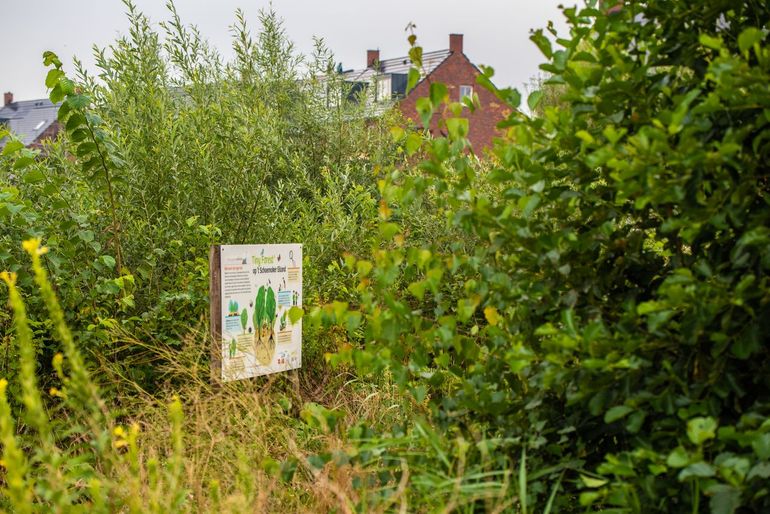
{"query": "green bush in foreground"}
(612, 318)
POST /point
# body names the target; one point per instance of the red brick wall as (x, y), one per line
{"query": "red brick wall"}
(455, 71)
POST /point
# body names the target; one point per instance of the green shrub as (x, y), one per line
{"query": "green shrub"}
(609, 318)
(170, 149)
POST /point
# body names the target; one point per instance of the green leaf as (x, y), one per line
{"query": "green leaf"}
(389, 230)
(715, 43)
(12, 146)
(438, 94)
(75, 121)
(424, 108)
(748, 38)
(760, 470)
(53, 78)
(295, 314)
(397, 133)
(270, 306)
(413, 143)
(108, 260)
(23, 162)
(761, 445)
(415, 55)
(363, 267)
(50, 58)
(57, 94)
(412, 79)
(585, 136)
(591, 482)
(616, 413)
(259, 308)
(78, 101)
(457, 127)
(678, 458)
(534, 99)
(701, 429)
(528, 204)
(244, 319)
(466, 307)
(542, 42)
(699, 469)
(725, 499)
(418, 289)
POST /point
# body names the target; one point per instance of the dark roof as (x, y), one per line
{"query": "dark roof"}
(28, 119)
(430, 61)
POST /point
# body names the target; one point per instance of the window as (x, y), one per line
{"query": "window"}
(384, 88)
(466, 91)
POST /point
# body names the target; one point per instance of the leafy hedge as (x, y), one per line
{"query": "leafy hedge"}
(611, 319)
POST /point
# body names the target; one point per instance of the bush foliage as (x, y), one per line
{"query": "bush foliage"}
(609, 319)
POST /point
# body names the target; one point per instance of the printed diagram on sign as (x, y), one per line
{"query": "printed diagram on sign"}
(261, 284)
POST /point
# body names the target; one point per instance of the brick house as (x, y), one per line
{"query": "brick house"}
(385, 84)
(32, 121)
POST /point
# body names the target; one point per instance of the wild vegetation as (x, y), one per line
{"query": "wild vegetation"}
(573, 322)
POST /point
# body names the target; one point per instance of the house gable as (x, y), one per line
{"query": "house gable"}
(457, 71)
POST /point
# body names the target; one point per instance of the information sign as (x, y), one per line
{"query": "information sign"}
(256, 290)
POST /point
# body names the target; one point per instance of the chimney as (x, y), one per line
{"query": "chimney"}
(7, 98)
(372, 57)
(456, 43)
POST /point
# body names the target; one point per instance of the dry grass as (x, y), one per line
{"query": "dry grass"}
(236, 433)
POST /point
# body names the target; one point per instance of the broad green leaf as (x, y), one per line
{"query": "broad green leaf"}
(761, 445)
(397, 133)
(413, 143)
(678, 458)
(108, 260)
(363, 267)
(425, 110)
(701, 429)
(697, 469)
(34, 176)
(534, 99)
(438, 94)
(295, 314)
(457, 127)
(53, 78)
(748, 38)
(12, 146)
(389, 230)
(725, 499)
(417, 289)
(616, 413)
(715, 43)
(78, 101)
(466, 307)
(412, 79)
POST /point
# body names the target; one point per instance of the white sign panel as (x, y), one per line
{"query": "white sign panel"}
(260, 285)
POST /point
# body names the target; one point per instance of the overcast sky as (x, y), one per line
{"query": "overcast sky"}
(496, 31)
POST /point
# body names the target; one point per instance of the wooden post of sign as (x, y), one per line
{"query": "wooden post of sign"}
(215, 320)
(295, 382)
